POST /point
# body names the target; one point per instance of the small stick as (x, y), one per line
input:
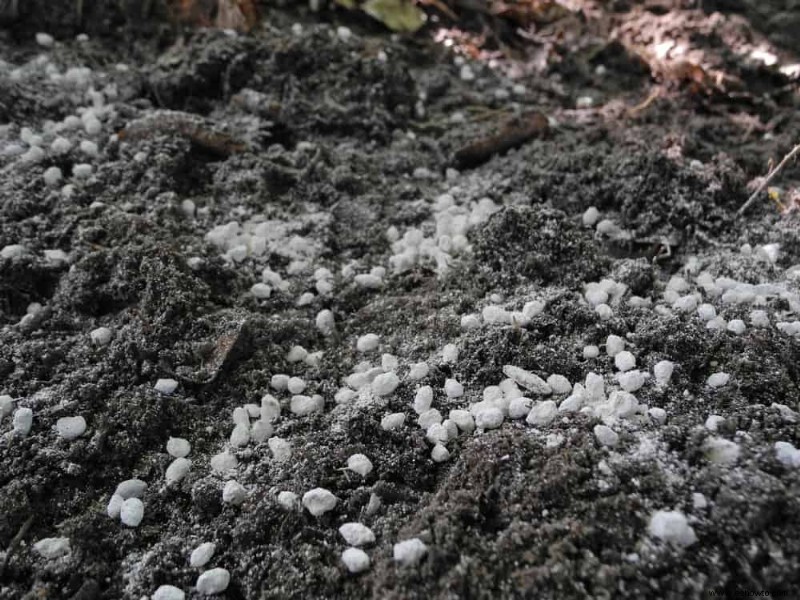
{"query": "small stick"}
(769, 178)
(12, 546)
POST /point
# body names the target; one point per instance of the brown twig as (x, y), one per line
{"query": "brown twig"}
(794, 151)
(12, 546)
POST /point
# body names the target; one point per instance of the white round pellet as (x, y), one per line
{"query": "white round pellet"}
(234, 493)
(519, 407)
(319, 501)
(166, 386)
(393, 421)
(23, 421)
(114, 506)
(261, 291)
(368, 342)
(325, 322)
(605, 435)
(6, 405)
(71, 428)
(385, 384)
(440, 453)
(202, 554)
(624, 361)
(356, 534)
(450, 354)
(213, 581)
(101, 336)
(356, 560)
(591, 352)
(418, 371)
(52, 176)
(168, 592)
(131, 488)
(281, 449)
(718, 380)
(178, 447)
(360, 464)
(132, 512)
(409, 552)
(614, 345)
(453, 388)
(177, 470)
(542, 413)
(489, 418)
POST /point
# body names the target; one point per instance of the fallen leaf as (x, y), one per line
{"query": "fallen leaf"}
(397, 15)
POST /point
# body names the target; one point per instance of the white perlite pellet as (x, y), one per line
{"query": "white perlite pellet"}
(671, 526)
(614, 345)
(519, 407)
(624, 361)
(325, 322)
(53, 176)
(114, 506)
(319, 501)
(559, 384)
(23, 421)
(223, 462)
(368, 342)
(52, 548)
(721, 451)
(132, 512)
(358, 463)
(281, 448)
(418, 371)
(177, 470)
(453, 389)
(45, 40)
(528, 380)
(234, 493)
(385, 383)
(787, 454)
(736, 326)
(305, 405)
(663, 372)
(542, 414)
(178, 447)
(166, 386)
(288, 500)
(440, 453)
(71, 428)
(168, 592)
(356, 534)
(450, 354)
(605, 435)
(718, 380)
(489, 418)
(131, 488)
(356, 560)
(409, 552)
(591, 352)
(101, 336)
(463, 420)
(6, 405)
(393, 421)
(213, 581)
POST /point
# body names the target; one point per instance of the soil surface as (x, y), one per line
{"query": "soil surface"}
(338, 148)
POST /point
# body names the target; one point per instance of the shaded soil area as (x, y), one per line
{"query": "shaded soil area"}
(330, 140)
